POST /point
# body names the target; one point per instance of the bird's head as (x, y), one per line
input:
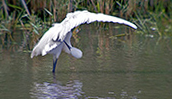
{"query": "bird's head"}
(76, 52)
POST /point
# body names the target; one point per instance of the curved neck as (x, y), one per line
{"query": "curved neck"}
(67, 45)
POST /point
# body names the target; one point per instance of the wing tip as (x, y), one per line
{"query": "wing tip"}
(134, 26)
(33, 53)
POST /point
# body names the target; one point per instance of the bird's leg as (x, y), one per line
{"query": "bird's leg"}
(54, 64)
(67, 45)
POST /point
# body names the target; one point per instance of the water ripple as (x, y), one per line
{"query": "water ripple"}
(46, 90)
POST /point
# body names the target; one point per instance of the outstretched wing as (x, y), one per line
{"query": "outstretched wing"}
(80, 17)
(56, 34)
(47, 43)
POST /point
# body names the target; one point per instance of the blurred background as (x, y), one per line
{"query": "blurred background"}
(34, 17)
(118, 62)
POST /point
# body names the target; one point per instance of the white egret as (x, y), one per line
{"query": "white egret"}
(58, 37)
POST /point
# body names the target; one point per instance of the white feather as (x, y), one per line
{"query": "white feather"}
(52, 40)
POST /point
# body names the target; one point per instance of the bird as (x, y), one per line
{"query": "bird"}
(57, 38)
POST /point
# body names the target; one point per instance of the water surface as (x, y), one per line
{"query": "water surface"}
(129, 67)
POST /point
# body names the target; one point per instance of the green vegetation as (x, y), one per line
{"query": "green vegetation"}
(34, 17)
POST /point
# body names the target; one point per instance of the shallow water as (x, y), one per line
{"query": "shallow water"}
(127, 68)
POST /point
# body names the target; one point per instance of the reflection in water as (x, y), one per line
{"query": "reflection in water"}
(71, 90)
(130, 67)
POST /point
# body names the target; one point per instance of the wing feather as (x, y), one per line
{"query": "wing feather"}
(59, 31)
(47, 43)
(77, 18)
